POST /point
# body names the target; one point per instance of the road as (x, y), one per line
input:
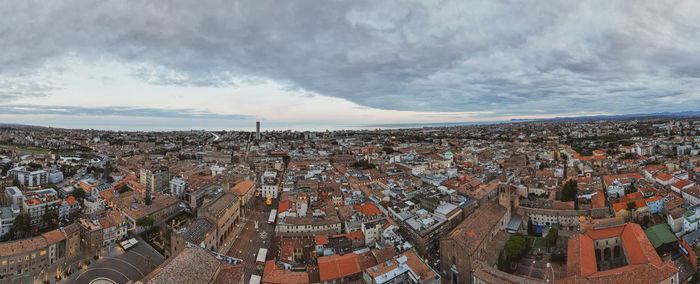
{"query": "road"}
(249, 240)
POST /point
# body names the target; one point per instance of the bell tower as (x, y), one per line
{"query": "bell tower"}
(504, 195)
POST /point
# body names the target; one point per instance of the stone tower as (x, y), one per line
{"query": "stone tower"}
(504, 195)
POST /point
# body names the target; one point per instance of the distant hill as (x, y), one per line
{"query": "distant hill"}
(621, 116)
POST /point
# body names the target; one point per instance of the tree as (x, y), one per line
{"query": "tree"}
(51, 219)
(79, 193)
(501, 261)
(124, 188)
(147, 199)
(146, 221)
(515, 247)
(552, 236)
(21, 227)
(631, 206)
(570, 190)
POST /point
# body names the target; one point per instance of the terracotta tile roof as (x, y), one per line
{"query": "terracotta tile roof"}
(645, 266)
(476, 226)
(663, 177)
(54, 236)
(681, 183)
(276, 274)
(337, 266)
(22, 246)
(243, 187)
(321, 240)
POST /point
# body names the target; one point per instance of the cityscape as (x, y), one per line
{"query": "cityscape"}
(359, 142)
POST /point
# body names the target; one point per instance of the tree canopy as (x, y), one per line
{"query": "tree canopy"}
(146, 221)
(79, 193)
(552, 236)
(570, 190)
(124, 188)
(21, 227)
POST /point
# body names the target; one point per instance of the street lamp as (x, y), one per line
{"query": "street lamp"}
(552, 268)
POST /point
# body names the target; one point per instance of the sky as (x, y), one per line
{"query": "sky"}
(314, 65)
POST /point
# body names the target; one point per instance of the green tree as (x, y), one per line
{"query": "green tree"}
(21, 227)
(124, 188)
(146, 221)
(147, 199)
(631, 206)
(569, 190)
(79, 193)
(552, 235)
(515, 247)
(501, 261)
(50, 218)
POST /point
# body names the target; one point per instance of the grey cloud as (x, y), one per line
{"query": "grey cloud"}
(449, 56)
(118, 111)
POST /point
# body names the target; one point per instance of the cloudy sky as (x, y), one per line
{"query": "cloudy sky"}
(341, 64)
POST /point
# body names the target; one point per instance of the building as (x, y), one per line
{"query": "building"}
(178, 186)
(195, 265)
(31, 254)
(155, 179)
(36, 203)
(691, 219)
(691, 195)
(28, 178)
(270, 185)
(114, 228)
(655, 204)
(198, 232)
(91, 233)
(245, 190)
(473, 240)
(618, 253)
(224, 213)
(7, 217)
(339, 268)
(405, 268)
(257, 130)
(54, 176)
(309, 225)
(277, 274)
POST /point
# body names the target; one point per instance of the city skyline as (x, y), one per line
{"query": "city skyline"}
(340, 65)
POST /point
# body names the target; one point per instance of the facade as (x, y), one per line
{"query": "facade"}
(691, 195)
(224, 213)
(31, 254)
(178, 186)
(36, 203)
(114, 228)
(655, 204)
(29, 178)
(308, 225)
(691, 219)
(54, 176)
(7, 217)
(155, 179)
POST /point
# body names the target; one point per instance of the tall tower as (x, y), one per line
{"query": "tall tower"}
(257, 130)
(504, 196)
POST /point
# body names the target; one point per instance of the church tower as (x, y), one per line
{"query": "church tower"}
(504, 195)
